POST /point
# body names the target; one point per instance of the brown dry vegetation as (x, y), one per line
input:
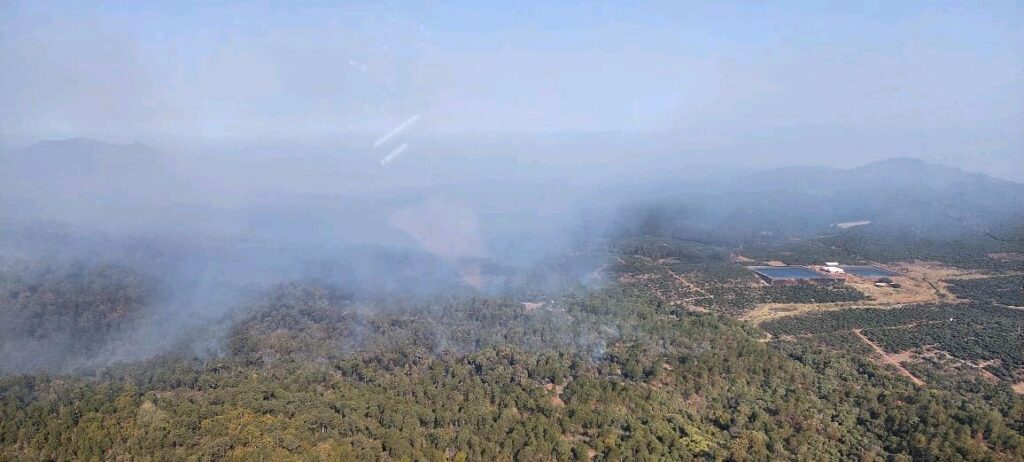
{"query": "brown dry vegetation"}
(556, 397)
(767, 311)
(1007, 256)
(530, 306)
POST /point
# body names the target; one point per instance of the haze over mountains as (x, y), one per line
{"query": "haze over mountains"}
(207, 231)
(552, 231)
(348, 197)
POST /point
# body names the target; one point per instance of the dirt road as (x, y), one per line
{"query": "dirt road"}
(889, 359)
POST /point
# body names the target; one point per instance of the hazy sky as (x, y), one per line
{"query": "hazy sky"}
(907, 75)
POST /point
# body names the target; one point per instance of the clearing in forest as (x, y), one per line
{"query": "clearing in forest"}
(895, 360)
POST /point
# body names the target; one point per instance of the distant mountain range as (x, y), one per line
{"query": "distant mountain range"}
(83, 166)
(80, 177)
(906, 195)
(900, 196)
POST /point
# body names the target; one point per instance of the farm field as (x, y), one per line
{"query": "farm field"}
(1004, 290)
(939, 321)
(985, 336)
(733, 286)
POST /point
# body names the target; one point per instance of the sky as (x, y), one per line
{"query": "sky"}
(935, 79)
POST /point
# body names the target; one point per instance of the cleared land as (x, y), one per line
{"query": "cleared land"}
(923, 282)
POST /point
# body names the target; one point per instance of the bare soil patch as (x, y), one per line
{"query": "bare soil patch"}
(530, 306)
(1007, 256)
(923, 283)
(556, 398)
(768, 311)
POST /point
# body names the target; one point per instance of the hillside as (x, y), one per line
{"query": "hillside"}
(907, 196)
(312, 374)
(627, 346)
(58, 178)
(83, 161)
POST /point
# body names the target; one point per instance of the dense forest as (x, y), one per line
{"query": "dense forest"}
(53, 313)
(311, 372)
(634, 345)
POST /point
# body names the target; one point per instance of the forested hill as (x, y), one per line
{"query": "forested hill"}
(907, 196)
(83, 165)
(618, 347)
(613, 374)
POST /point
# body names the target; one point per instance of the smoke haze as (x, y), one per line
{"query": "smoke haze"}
(412, 152)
